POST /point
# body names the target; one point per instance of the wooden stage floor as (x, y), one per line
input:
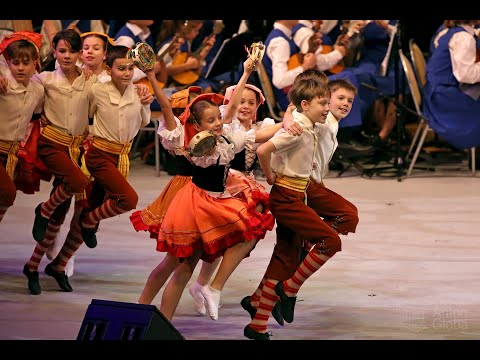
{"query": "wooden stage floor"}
(412, 270)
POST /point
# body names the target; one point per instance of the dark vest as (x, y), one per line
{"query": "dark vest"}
(212, 178)
(184, 167)
(238, 162)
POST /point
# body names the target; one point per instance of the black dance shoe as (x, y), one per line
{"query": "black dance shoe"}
(33, 280)
(88, 234)
(276, 311)
(287, 302)
(252, 334)
(40, 225)
(60, 277)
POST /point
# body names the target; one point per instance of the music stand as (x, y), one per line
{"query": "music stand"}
(398, 98)
(229, 55)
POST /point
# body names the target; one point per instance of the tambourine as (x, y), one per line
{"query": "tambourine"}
(202, 143)
(256, 52)
(143, 56)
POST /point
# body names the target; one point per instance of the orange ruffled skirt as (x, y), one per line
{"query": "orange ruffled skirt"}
(196, 221)
(150, 218)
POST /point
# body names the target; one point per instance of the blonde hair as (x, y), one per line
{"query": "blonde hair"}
(336, 84)
(312, 74)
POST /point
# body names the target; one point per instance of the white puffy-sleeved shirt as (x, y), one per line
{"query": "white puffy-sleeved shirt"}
(172, 140)
(17, 107)
(224, 152)
(294, 155)
(326, 145)
(66, 105)
(118, 117)
(237, 125)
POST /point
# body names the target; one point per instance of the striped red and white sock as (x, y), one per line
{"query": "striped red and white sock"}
(73, 241)
(267, 302)
(107, 210)
(59, 196)
(312, 262)
(255, 298)
(42, 247)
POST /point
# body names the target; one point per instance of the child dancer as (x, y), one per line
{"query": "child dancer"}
(119, 114)
(21, 100)
(60, 145)
(339, 215)
(93, 50)
(150, 218)
(244, 100)
(93, 54)
(173, 141)
(217, 221)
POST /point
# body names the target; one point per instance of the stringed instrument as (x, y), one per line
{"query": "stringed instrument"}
(162, 55)
(353, 45)
(190, 76)
(297, 59)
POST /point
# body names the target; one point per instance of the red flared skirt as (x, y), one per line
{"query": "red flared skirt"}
(197, 221)
(150, 218)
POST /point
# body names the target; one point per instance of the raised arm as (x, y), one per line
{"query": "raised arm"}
(238, 92)
(163, 101)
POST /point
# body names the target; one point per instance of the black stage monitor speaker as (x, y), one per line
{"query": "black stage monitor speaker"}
(113, 320)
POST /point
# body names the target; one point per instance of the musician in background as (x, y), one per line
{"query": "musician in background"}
(138, 31)
(376, 60)
(186, 64)
(308, 37)
(279, 49)
(371, 65)
(330, 30)
(451, 100)
(329, 58)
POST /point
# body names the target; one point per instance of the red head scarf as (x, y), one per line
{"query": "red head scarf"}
(189, 129)
(229, 93)
(33, 37)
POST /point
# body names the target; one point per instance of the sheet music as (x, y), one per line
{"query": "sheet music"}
(384, 65)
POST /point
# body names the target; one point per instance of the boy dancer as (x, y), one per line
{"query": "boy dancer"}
(18, 102)
(294, 180)
(119, 114)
